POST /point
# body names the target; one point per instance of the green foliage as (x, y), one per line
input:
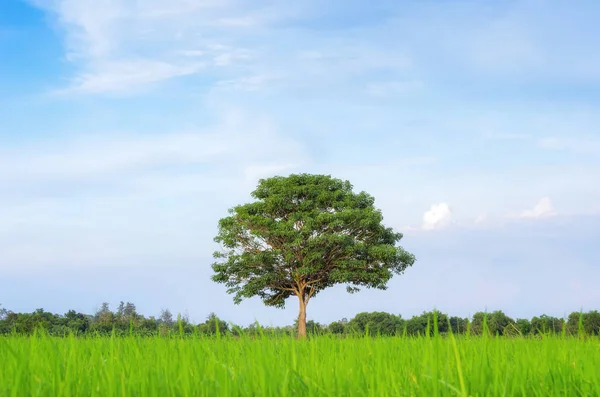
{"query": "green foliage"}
(376, 323)
(498, 323)
(591, 322)
(524, 326)
(546, 324)
(305, 230)
(588, 323)
(423, 323)
(458, 325)
(213, 325)
(104, 322)
(303, 234)
(336, 328)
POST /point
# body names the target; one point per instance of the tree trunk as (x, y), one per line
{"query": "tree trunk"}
(302, 318)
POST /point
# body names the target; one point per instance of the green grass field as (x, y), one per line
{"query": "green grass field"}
(320, 366)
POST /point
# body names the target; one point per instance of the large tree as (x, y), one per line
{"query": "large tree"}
(305, 233)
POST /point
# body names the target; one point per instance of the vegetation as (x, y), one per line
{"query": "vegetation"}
(305, 233)
(126, 321)
(193, 365)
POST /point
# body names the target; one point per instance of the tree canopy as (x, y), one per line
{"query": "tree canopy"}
(303, 234)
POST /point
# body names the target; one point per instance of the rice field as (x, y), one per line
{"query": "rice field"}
(283, 366)
(320, 366)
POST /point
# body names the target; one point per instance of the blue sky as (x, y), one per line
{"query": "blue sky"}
(129, 128)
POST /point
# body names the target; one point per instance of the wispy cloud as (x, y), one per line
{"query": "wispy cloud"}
(542, 209)
(121, 45)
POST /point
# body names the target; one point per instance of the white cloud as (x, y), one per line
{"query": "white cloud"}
(542, 209)
(437, 217)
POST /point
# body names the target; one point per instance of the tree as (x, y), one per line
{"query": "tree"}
(524, 326)
(458, 325)
(337, 327)
(166, 317)
(417, 325)
(120, 313)
(130, 311)
(591, 322)
(588, 322)
(377, 323)
(498, 322)
(3, 313)
(104, 313)
(479, 319)
(76, 322)
(305, 233)
(103, 319)
(546, 324)
(212, 324)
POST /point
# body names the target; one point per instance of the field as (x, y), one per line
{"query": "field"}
(320, 366)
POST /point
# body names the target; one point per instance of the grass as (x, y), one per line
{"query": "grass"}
(320, 366)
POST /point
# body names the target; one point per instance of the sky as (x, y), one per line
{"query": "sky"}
(128, 128)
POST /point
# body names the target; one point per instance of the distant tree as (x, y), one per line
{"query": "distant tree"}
(477, 323)
(546, 324)
(166, 317)
(104, 313)
(377, 323)
(212, 324)
(458, 325)
(183, 324)
(120, 313)
(76, 322)
(147, 325)
(305, 233)
(524, 326)
(3, 313)
(418, 325)
(130, 311)
(336, 327)
(591, 322)
(104, 319)
(314, 328)
(498, 322)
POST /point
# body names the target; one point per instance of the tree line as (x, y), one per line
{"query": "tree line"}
(125, 320)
